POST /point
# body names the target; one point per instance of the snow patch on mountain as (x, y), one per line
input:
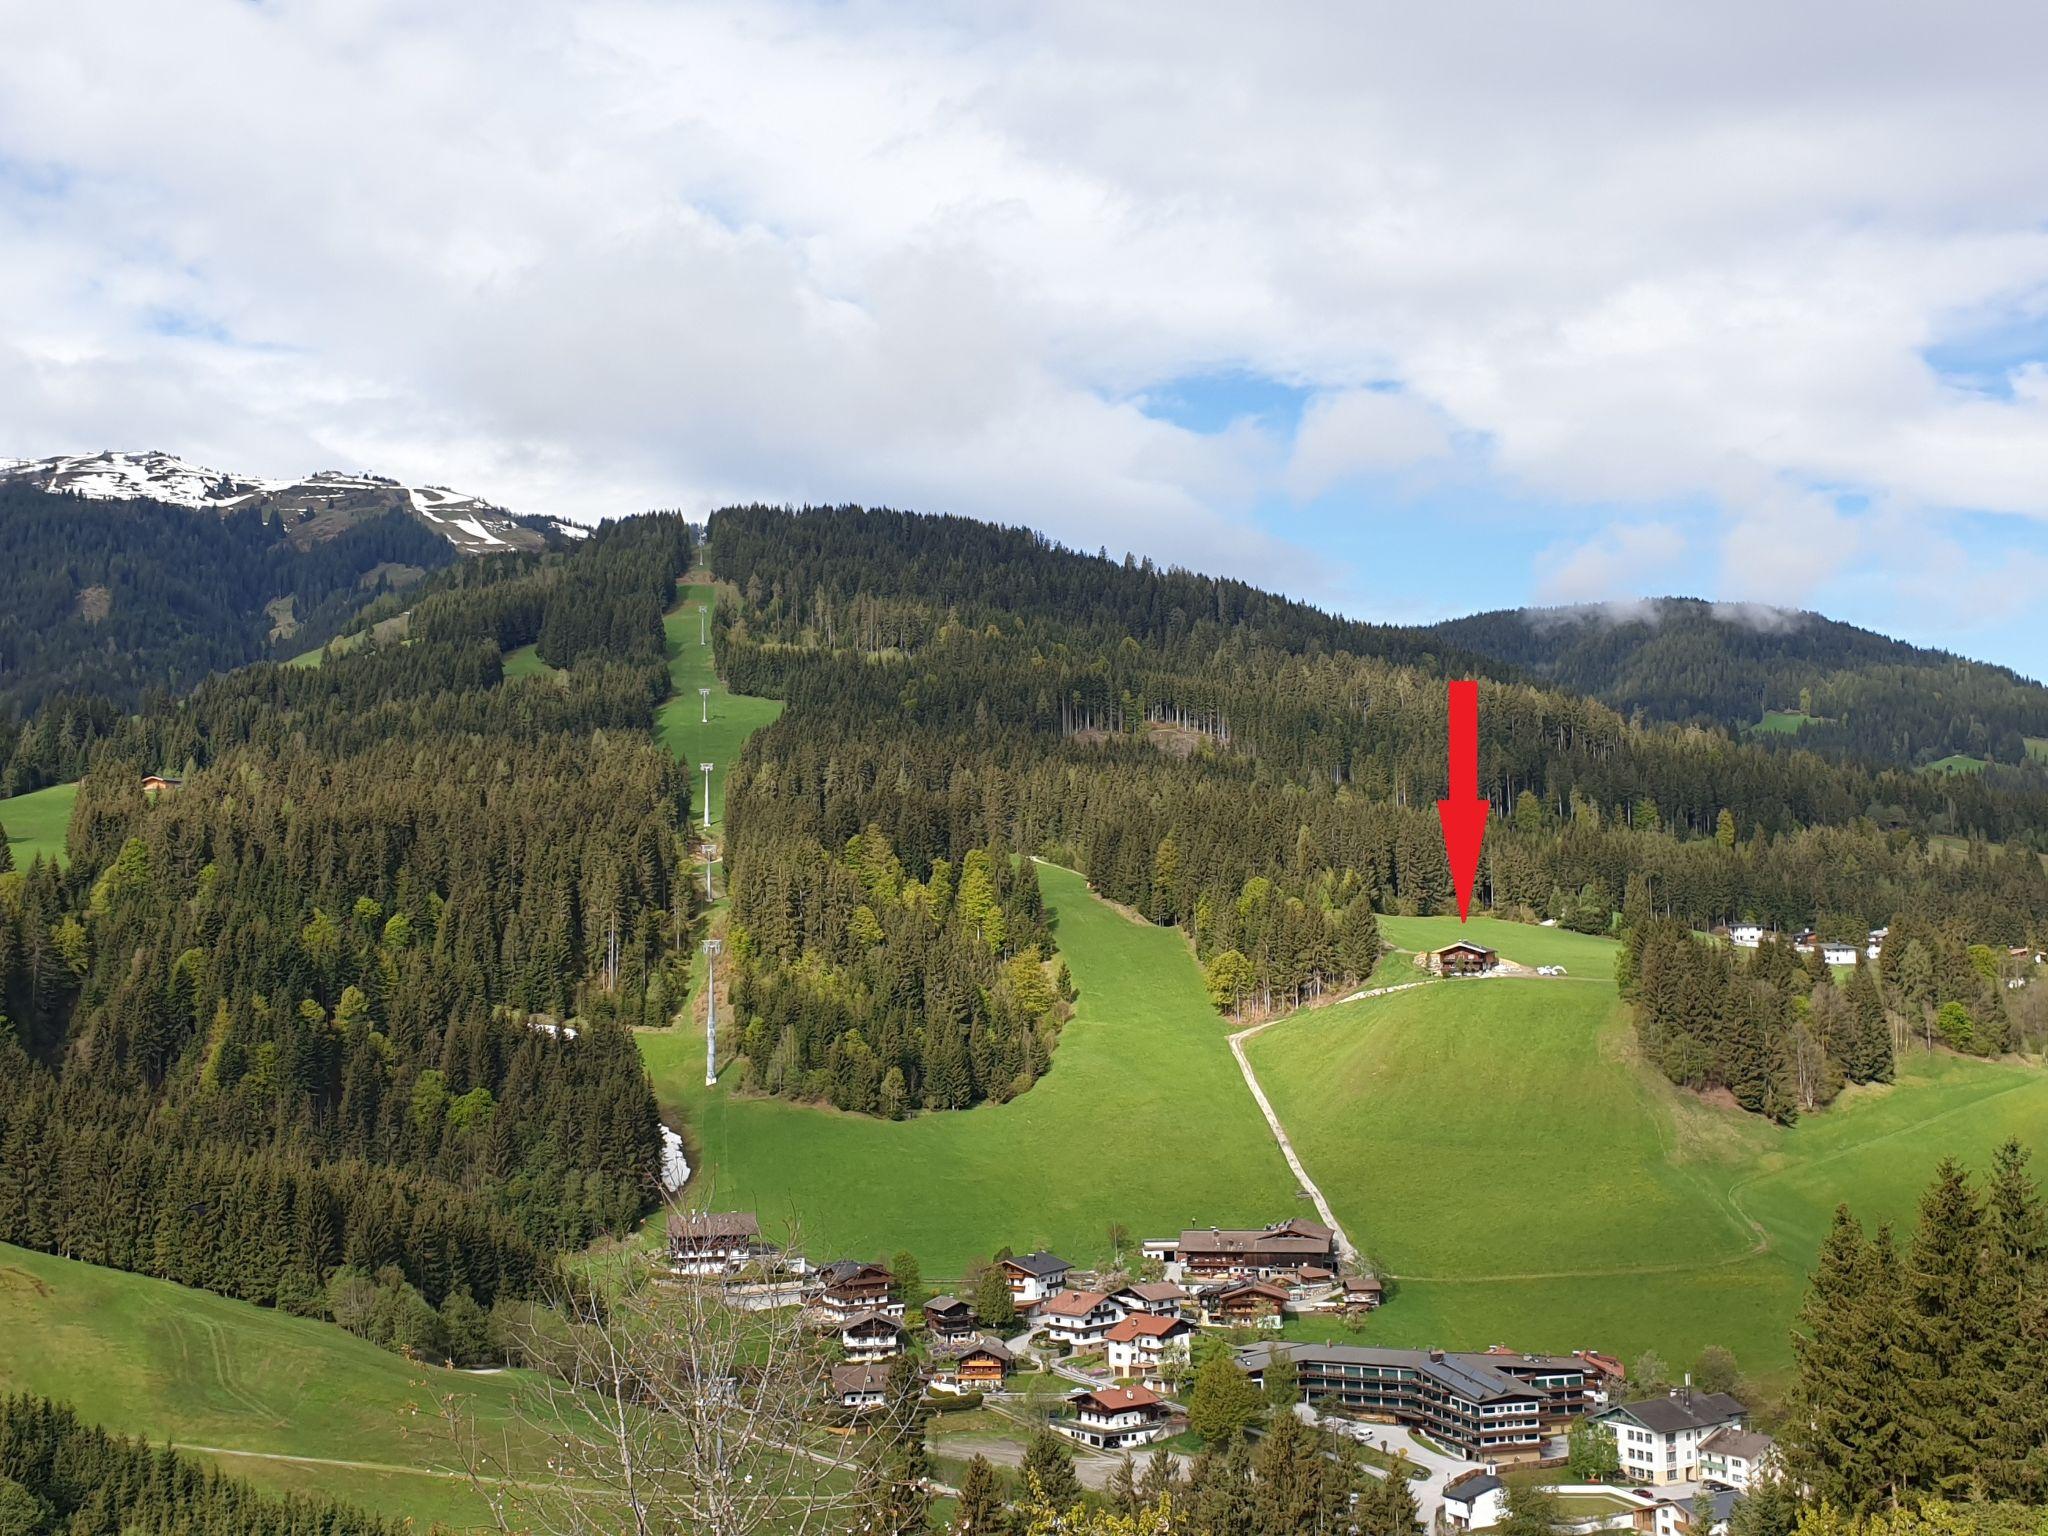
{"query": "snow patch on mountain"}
(318, 505)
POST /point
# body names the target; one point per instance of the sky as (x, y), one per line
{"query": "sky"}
(1406, 310)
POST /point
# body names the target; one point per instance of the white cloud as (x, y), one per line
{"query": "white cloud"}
(591, 256)
(1358, 432)
(1624, 559)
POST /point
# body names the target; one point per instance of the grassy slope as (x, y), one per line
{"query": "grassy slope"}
(1955, 762)
(1143, 1119)
(1784, 722)
(1558, 1194)
(143, 1356)
(525, 661)
(36, 822)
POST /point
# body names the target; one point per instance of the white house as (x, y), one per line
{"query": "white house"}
(1114, 1418)
(1660, 1438)
(1737, 1457)
(714, 1242)
(1474, 1501)
(871, 1336)
(1079, 1318)
(1746, 935)
(1034, 1277)
(1161, 1297)
(1838, 954)
(1143, 1342)
(1697, 1514)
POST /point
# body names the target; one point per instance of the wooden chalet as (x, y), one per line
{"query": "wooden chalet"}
(851, 1287)
(948, 1317)
(1242, 1302)
(871, 1336)
(974, 1364)
(1463, 958)
(1115, 1418)
(1284, 1248)
(714, 1242)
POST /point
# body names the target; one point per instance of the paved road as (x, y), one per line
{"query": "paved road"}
(1395, 1441)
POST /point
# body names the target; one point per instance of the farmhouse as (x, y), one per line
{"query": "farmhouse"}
(156, 783)
(1281, 1249)
(852, 1287)
(1746, 935)
(1463, 958)
(976, 1364)
(1661, 1438)
(1035, 1277)
(1471, 1402)
(948, 1317)
(860, 1385)
(1737, 1457)
(871, 1336)
(1114, 1418)
(1079, 1318)
(714, 1242)
(1242, 1302)
(1142, 1343)
(1475, 1501)
(1162, 1298)
(1361, 1293)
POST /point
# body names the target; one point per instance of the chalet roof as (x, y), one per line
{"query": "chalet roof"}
(1145, 1325)
(1074, 1303)
(979, 1344)
(1286, 1237)
(1244, 1285)
(1040, 1265)
(1114, 1399)
(1153, 1290)
(1465, 946)
(1681, 1411)
(1371, 1283)
(840, 1271)
(1737, 1444)
(859, 1376)
(864, 1322)
(713, 1226)
(942, 1304)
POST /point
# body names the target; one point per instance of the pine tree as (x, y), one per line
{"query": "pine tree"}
(1049, 1470)
(981, 1509)
(1939, 1358)
(1837, 1439)
(1224, 1404)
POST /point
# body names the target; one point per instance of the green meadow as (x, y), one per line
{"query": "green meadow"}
(1142, 1120)
(1497, 1146)
(1955, 762)
(36, 822)
(286, 1402)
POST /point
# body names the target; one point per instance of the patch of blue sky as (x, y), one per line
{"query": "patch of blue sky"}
(1983, 357)
(1210, 402)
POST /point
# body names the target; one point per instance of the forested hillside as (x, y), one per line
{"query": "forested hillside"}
(1846, 691)
(279, 1032)
(113, 598)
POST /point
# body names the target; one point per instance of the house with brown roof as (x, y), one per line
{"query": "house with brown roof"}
(851, 1287)
(975, 1364)
(1115, 1418)
(1462, 958)
(1737, 1457)
(715, 1242)
(1361, 1293)
(871, 1336)
(1284, 1248)
(1242, 1302)
(1161, 1298)
(948, 1317)
(860, 1384)
(1079, 1318)
(1144, 1343)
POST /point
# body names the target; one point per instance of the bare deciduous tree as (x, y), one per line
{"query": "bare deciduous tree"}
(671, 1405)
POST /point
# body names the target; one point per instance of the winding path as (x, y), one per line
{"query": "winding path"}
(1345, 1248)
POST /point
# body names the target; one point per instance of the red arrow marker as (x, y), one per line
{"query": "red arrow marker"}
(1464, 813)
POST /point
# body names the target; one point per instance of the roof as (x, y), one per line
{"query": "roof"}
(1145, 1325)
(1690, 1410)
(1289, 1237)
(1363, 1283)
(979, 1344)
(1738, 1444)
(1241, 1287)
(712, 1226)
(1465, 946)
(1074, 1303)
(1039, 1264)
(1469, 1376)
(1152, 1290)
(1473, 1485)
(1711, 1506)
(839, 1271)
(945, 1303)
(866, 1319)
(859, 1376)
(1115, 1399)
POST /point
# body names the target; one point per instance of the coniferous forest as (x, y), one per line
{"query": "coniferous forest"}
(293, 1031)
(1263, 776)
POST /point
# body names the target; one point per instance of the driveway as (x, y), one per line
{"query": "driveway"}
(1395, 1441)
